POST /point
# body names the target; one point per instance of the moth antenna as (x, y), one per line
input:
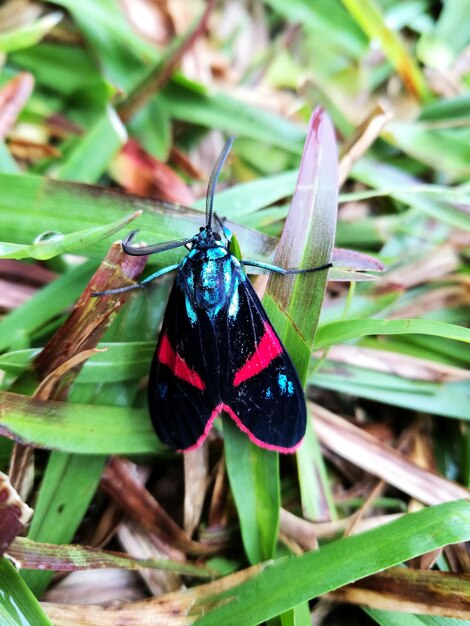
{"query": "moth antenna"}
(213, 180)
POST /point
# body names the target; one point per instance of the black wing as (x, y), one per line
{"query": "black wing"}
(264, 397)
(181, 394)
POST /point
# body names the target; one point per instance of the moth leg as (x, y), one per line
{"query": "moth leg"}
(141, 285)
(284, 272)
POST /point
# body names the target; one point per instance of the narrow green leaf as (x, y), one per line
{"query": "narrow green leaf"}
(56, 243)
(53, 520)
(403, 187)
(336, 332)
(246, 198)
(154, 137)
(121, 53)
(36, 199)
(443, 149)
(29, 34)
(446, 399)
(340, 562)
(253, 474)
(79, 428)
(307, 241)
(190, 103)
(64, 69)
(309, 223)
(368, 15)
(92, 153)
(327, 17)
(18, 606)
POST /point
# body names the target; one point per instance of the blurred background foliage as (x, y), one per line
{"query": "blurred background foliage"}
(115, 110)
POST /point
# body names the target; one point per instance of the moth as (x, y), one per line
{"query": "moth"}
(217, 349)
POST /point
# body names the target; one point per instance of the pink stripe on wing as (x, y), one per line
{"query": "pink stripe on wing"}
(178, 366)
(262, 444)
(268, 349)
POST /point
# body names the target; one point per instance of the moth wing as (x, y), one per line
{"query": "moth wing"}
(179, 393)
(264, 397)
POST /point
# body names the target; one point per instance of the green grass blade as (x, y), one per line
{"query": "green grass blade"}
(90, 156)
(296, 314)
(53, 519)
(254, 479)
(336, 332)
(29, 34)
(446, 399)
(79, 428)
(50, 247)
(121, 53)
(37, 198)
(368, 15)
(338, 563)
(190, 103)
(18, 606)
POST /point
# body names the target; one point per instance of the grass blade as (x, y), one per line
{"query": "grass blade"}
(337, 563)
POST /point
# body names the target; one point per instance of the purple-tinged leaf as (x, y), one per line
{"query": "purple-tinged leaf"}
(14, 513)
(308, 236)
(350, 265)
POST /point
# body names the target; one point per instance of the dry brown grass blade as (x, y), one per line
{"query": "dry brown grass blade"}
(378, 459)
(458, 557)
(96, 587)
(305, 532)
(217, 515)
(196, 469)
(138, 541)
(46, 388)
(427, 268)
(169, 609)
(120, 483)
(14, 513)
(411, 591)
(403, 365)
(362, 139)
(451, 296)
(32, 151)
(71, 557)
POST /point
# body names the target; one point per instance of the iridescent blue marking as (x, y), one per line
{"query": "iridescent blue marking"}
(268, 393)
(215, 253)
(227, 274)
(189, 297)
(285, 385)
(190, 312)
(234, 302)
(163, 390)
